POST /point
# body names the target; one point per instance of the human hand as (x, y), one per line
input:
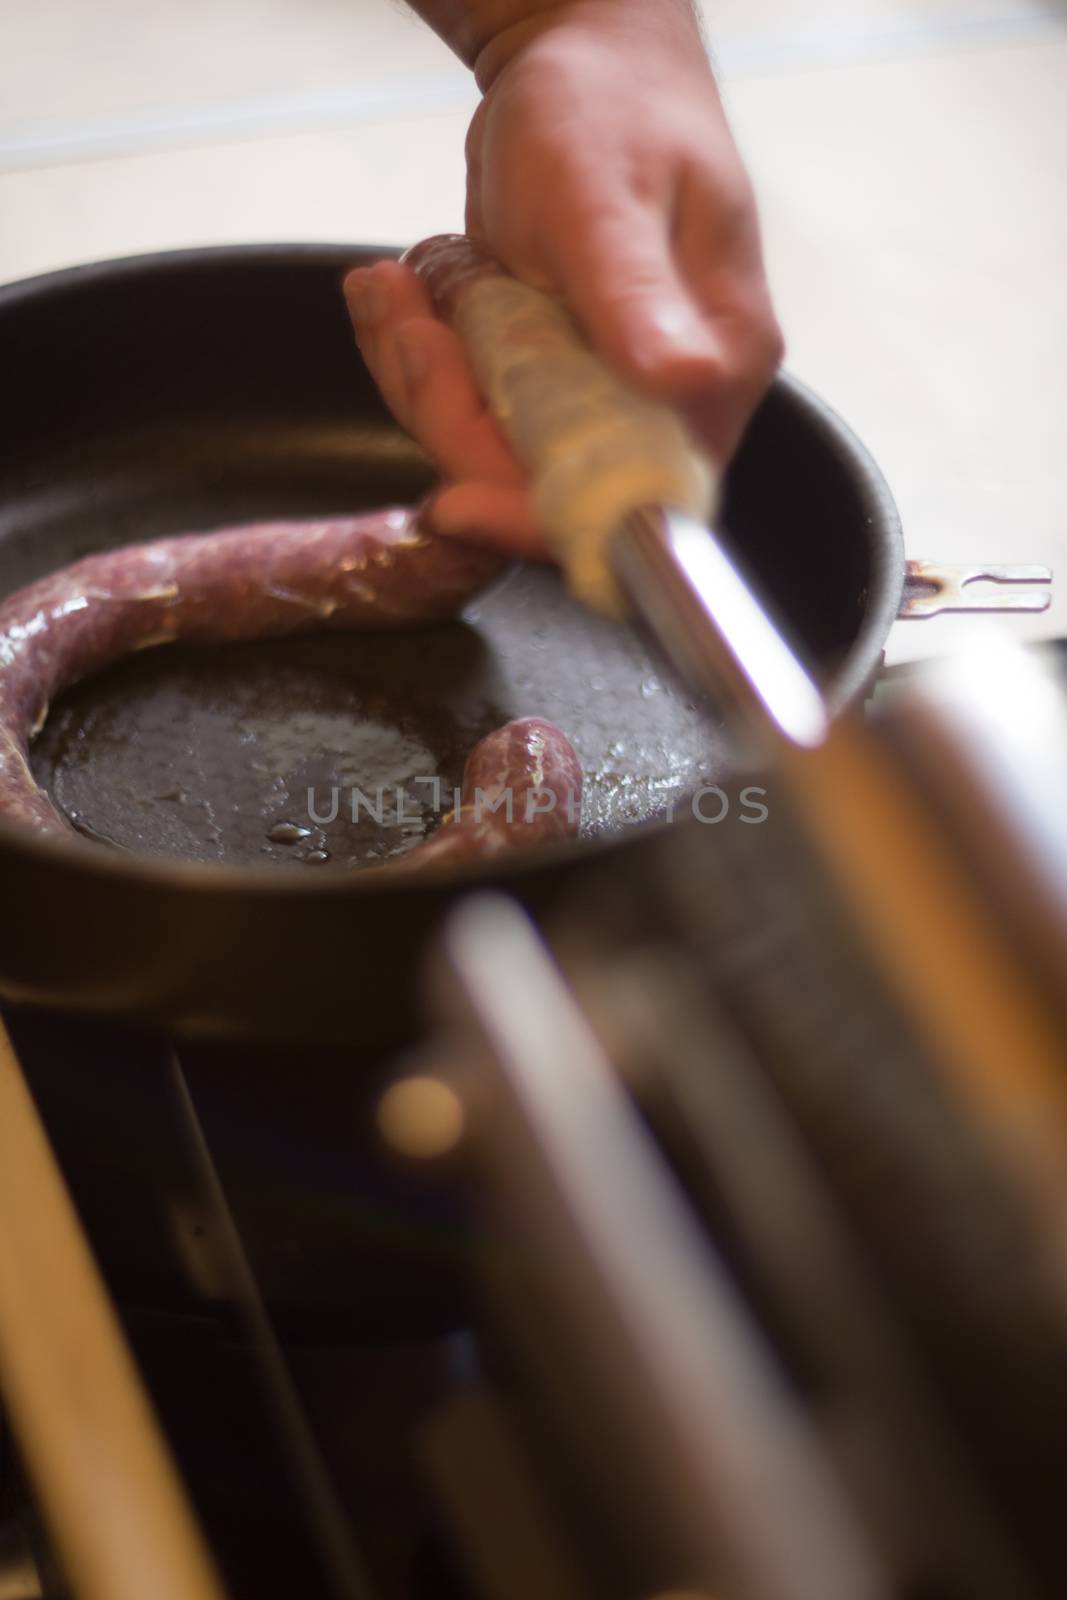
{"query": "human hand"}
(600, 166)
(642, 220)
(421, 369)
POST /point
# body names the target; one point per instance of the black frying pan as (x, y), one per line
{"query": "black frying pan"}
(201, 388)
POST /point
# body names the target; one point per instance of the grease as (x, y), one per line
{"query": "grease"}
(288, 833)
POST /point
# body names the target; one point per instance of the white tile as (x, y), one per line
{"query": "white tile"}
(83, 80)
(782, 35)
(915, 215)
(915, 208)
(386, 184)
(73, 59)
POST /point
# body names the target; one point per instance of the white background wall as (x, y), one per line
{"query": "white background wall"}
(910, 155)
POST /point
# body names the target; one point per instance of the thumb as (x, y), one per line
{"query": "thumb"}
(619, 277)
(495, 515)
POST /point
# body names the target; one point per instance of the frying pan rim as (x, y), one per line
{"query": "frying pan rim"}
(847, 684)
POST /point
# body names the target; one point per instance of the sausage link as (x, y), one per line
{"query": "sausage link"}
(522, 785)
(378, 570)
(447, 263)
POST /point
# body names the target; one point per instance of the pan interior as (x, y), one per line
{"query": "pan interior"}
(344, 750)
(193, 391)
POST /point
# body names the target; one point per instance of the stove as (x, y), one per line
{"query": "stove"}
(704, 1239)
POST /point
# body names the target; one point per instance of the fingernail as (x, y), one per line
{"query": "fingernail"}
(673, 329)
(366, 299)
(411, 356)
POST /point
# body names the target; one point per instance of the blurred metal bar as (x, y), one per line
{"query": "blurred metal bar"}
(693, 1418)
(677, 575)
(986, 733)
(941, 948)
(116, 1510)
(234, 1281)
(735, 1149)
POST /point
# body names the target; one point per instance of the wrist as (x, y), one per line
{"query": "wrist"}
(659, 25)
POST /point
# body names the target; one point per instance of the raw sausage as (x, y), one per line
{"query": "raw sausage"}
(522, 785)
(447, 263)
(378, 570)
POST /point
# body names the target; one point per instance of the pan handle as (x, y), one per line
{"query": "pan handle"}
(931, 587)
(715, 630)
(595, 449)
